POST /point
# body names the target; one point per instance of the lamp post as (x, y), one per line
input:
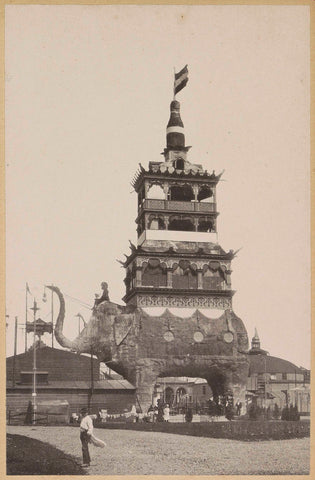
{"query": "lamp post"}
(35, 309)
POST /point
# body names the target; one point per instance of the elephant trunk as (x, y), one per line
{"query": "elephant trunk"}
(61, 339)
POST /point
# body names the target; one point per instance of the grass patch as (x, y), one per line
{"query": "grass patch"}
(27, 456)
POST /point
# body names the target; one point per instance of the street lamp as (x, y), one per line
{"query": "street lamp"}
(35, 309)
(38, 327)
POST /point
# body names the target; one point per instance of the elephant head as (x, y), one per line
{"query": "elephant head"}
(109, 326)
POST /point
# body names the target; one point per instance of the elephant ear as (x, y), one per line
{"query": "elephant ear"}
(122, 326)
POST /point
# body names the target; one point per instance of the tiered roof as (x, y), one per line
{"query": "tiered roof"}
(166, 169)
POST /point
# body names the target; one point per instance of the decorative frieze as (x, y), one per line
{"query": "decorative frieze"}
(186, 301)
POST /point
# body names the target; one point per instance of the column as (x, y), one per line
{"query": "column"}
(146, 188)
(166, 190)
(169, 277)
(199, 279)
(146, 222)
(214, 195)
(138, 276)
(196, 191)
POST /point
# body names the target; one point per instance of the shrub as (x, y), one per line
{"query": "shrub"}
(253, 412)
(229, 414)
(189, 415)
(276, 412)
(293, 413)
(285, 413)
(290, 413)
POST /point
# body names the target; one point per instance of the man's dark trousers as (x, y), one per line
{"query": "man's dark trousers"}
(85, 447)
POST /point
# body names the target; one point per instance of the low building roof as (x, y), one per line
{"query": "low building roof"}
(81, 385)
(266, 363)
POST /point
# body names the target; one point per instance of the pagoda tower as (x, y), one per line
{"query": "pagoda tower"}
(178, 261)
(178, 278)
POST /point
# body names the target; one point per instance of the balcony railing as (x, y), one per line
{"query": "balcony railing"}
(152, 204)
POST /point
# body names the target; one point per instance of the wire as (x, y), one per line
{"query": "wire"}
(86, 305)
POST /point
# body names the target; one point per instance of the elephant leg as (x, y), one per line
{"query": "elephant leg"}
(237, 386)
(146, 375)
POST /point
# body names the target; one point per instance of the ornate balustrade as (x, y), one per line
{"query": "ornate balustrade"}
(152, 204)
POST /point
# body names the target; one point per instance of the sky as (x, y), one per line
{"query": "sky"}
(88, 90)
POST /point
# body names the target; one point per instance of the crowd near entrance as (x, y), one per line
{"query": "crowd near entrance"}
(184, 394)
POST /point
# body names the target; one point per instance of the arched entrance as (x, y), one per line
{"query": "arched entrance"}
(169, 396)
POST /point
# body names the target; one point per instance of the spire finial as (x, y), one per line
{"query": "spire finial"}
(255, 341)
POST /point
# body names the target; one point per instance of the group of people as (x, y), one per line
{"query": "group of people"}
(224, 405)
(159, 412)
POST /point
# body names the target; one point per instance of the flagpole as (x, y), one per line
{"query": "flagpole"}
(174, 85)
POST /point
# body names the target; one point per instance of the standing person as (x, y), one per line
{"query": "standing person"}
(155, 413)
(151, 413)
(166, 413)
(86, 430)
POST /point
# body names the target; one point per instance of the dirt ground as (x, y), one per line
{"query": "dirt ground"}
(153, 453)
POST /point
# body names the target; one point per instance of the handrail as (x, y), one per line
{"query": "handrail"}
(159, 204)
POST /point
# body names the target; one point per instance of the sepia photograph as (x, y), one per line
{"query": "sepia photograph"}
(158, 240)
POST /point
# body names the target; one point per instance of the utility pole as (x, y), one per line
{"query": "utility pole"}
(35, 309)
(14, 356)
(92, 380)
(27, 291)
(265, 381)
(52, 319)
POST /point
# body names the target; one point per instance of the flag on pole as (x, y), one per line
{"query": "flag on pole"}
(181, 79)
(27, 288)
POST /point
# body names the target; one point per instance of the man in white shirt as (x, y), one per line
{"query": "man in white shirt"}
(86, 430)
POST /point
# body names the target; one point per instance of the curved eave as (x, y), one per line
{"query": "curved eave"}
(140, 176)
(211, 256)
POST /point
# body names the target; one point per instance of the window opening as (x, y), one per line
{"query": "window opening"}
(181, 193)
(205, 226)
(154, 274)
(179, 164)
(156, 223)
(156, 192)
(205, 193)
(182, 225)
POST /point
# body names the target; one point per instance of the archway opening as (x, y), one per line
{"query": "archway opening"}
(182, 393)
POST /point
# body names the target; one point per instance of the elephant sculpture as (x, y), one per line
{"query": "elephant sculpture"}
(142, 348)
